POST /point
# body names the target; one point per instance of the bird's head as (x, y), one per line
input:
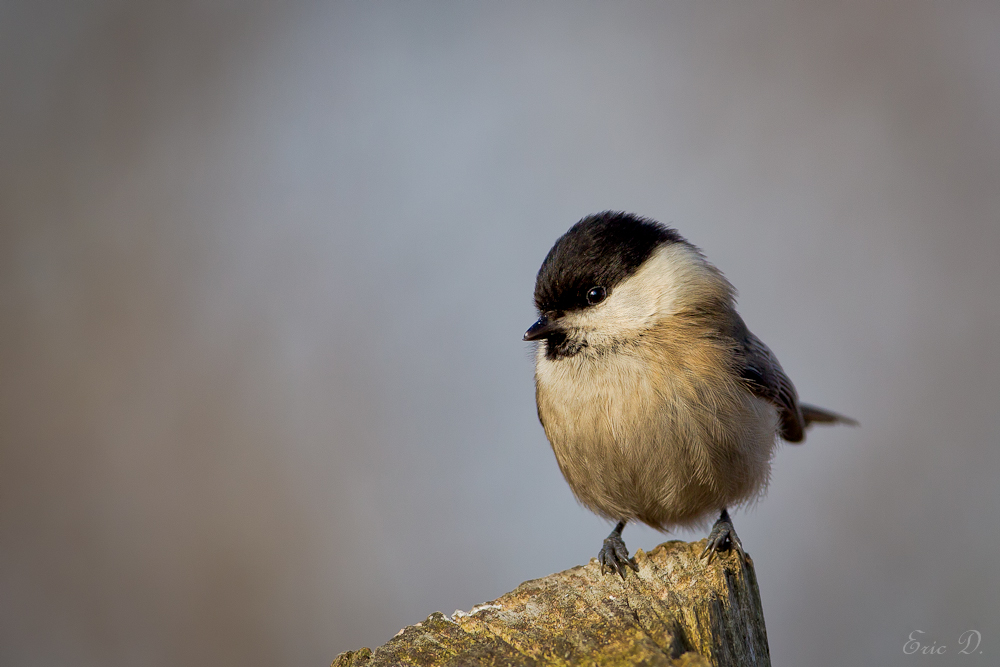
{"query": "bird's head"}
(612, 276)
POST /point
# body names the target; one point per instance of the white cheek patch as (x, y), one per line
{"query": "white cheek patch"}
(655, 291)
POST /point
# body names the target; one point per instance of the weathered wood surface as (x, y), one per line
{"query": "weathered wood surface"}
(678, 610)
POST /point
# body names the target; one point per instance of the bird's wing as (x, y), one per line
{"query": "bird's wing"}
(765, 378)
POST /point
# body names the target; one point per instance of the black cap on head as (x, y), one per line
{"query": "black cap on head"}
(600, 250)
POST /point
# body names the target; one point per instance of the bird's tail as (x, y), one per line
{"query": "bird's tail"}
(813, 415)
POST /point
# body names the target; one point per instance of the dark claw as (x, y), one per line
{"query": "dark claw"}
(614, 555)
(722, 538)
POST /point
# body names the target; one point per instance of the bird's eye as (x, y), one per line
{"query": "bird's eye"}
(596, 295)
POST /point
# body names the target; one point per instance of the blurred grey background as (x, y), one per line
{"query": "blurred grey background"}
(264, 271)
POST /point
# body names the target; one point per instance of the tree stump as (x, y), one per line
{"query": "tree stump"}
(678, 610)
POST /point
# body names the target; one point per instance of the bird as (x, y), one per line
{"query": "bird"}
(659, 403)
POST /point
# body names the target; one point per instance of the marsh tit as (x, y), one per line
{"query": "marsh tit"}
(659, 403)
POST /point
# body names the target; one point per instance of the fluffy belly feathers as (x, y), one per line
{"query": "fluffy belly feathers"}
(669, 456)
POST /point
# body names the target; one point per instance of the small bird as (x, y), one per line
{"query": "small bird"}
(659, 403)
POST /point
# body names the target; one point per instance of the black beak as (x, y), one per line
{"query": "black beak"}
(540, 329)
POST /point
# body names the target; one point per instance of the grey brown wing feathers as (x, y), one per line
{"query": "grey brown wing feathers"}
(766, 378)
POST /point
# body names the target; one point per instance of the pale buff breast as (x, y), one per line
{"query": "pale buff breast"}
(659, 431)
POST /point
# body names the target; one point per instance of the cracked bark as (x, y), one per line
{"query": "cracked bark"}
(677, 610)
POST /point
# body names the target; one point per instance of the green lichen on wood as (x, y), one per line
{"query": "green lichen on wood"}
(677, 611)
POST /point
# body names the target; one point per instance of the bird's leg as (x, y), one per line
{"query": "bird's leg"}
(613, 555)
(722, 538)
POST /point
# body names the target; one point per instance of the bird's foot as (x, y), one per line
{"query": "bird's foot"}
(614, 555)
(722, 538)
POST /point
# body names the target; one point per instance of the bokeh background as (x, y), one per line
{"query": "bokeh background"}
(264, 271)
